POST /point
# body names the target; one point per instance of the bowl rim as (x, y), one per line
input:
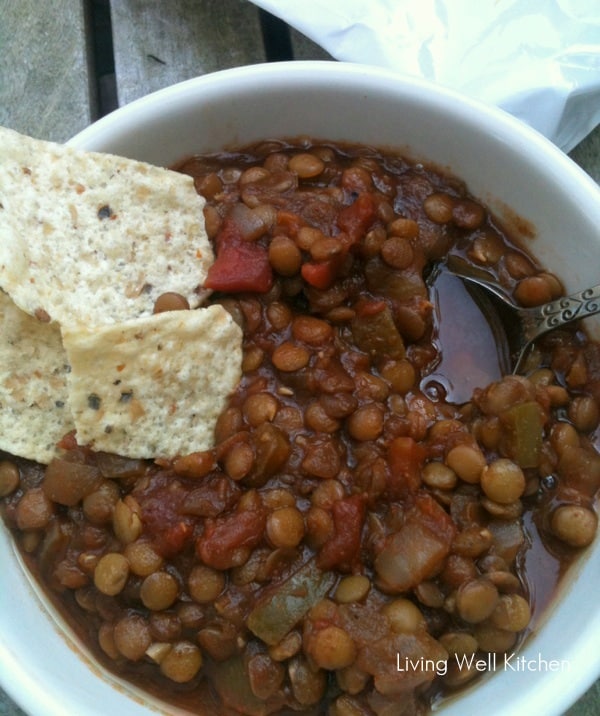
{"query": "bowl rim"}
(319, 73)
(553, 696)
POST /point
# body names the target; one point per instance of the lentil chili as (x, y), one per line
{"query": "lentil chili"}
(346, 519)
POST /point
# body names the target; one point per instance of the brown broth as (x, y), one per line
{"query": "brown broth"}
(472, 353)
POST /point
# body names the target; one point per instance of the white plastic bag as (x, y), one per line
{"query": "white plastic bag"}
(537, 59)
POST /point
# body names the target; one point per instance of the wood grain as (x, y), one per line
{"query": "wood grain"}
(44, 68)
(158, 43)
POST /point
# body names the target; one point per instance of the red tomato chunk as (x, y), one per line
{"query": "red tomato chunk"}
(239, 265)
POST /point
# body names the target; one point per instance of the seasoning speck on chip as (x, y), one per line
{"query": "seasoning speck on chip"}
(93, 238)
(153, 386)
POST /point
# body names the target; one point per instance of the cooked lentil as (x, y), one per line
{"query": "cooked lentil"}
(345, 518)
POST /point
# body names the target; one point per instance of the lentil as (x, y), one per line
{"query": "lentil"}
(574, 524)
(476, 600)
(99, 505)
(289, 357)
(142, 558)
(126, 520)
(171, 302)
(285, 527)
(511, 613)
(239, 460)
(306, 166)
(584, 413)
(503, 481)
(467, 462)
(111, 573)
(397, 252)
(352, 589)
(404, 616)
(285, 256)
(158, 591)
(9, 477)
(182, 662)
(366, 423)
(332, 648)
(438, 207)
(132, 637)
(260, 408)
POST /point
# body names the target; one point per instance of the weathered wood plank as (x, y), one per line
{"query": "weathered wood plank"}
(587, 154)
(157, 43)
(305, 49)
(44, 68)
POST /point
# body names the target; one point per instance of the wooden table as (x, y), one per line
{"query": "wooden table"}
(64, 63)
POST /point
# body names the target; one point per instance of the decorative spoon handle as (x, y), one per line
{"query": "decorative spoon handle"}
(554, 314)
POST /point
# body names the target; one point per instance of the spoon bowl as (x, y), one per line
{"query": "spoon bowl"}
(531, 323)
(504, 343)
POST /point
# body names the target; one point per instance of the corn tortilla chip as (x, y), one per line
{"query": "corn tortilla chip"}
(34, 413)
(94, 238)
(153, 386)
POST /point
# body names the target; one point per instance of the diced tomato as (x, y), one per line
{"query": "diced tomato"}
(164, 523)
(68, 441)
(434, 517)
(318, 275)
(229, 234)
(369, 307)
(288, 223)
(223, 536)
(405, 458)
(241, 268)
(239, 265)
(342, 549)
(176, 537)
(357, 218)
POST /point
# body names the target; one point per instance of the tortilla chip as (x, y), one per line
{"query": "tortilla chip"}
(34, 413)
(154, 386)
(94, 238)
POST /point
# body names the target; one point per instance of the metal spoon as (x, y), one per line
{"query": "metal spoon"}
(533, 322)
(513, 333)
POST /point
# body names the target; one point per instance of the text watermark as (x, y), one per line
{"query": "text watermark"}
(491, 662)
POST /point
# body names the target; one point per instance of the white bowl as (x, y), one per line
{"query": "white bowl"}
(508, 166)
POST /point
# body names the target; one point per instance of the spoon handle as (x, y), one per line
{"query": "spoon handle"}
(563, 310)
